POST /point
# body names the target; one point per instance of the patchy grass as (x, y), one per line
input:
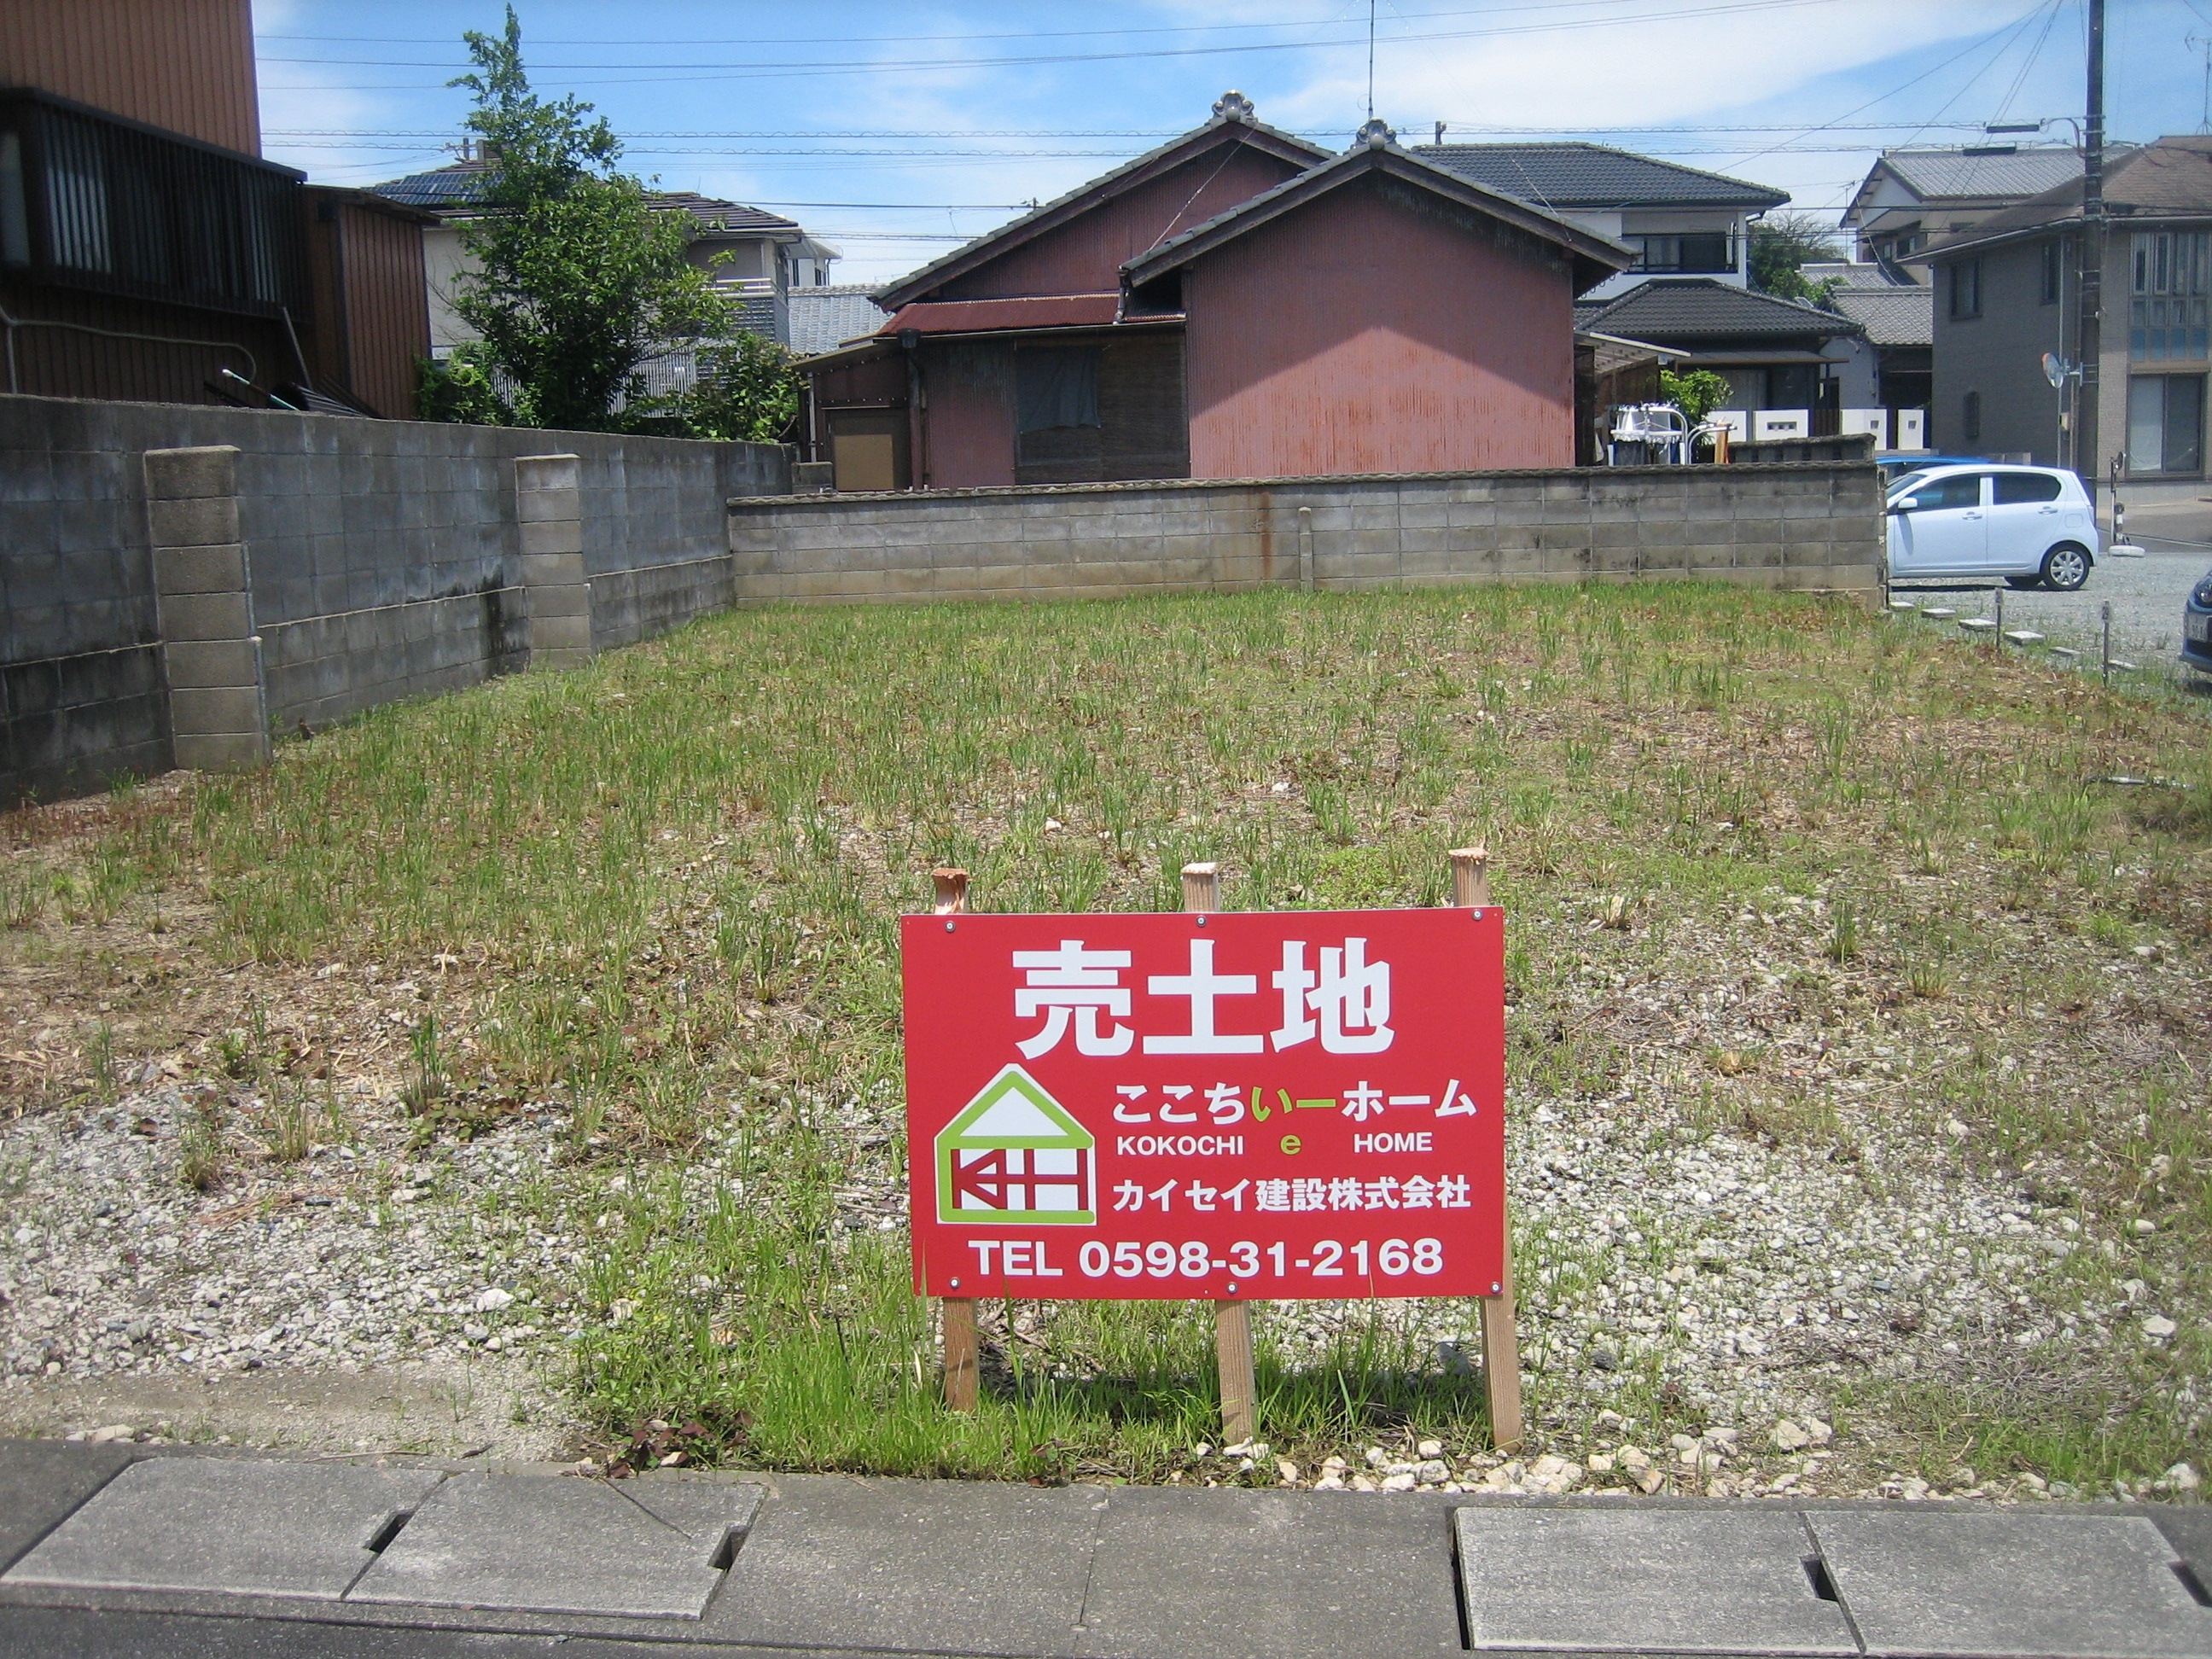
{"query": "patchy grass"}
(661, 893)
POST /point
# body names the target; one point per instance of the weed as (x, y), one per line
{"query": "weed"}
(201, 1163)
(1843, 931)
(287, 1122)
(234, 1053)
(102, 1076)
(428, 1086)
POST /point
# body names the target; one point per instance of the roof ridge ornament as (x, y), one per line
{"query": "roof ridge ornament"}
(1376, 134)
(1233, 106)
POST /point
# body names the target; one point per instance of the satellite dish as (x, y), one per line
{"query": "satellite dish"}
(2054, 368)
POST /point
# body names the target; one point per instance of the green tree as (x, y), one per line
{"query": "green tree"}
(461, 386)
(1697, 393)
(578, 279)
(1781, 246)
(747, 391)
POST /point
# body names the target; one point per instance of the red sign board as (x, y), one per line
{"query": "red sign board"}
(1305, 1104)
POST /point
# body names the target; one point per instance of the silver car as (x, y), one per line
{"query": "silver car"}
(2030, 525)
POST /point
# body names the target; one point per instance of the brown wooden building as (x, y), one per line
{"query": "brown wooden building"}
(148, 253)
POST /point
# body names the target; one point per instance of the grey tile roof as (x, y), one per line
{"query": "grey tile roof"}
(1666, 312)
(824, 318)
(456, 188)
(1950, 174)
(2171, 178)
(1891, 315)
(1559, 175)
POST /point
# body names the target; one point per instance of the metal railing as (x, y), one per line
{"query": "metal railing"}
(92, 201)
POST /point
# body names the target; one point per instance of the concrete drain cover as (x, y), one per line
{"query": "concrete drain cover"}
(1932, 1584)
(636, 1549)
(1650, 1581)
(239, 1526)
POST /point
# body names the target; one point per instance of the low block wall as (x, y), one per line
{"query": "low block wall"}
(1815, 527)
(180, 581)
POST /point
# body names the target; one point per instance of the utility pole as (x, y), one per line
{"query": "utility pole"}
(2088, 457)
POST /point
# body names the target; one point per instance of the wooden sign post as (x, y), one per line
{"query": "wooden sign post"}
(1501, 1330)
(959, 1317)
(1218, 1106)
(1232, 1321)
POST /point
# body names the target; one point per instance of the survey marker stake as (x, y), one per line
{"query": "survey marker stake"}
(1501, 1334)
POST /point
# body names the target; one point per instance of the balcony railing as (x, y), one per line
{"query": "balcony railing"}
(89, 200)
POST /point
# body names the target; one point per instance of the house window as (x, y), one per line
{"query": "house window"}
(1700, 252)
(1966, 288)
(2166, 303)
(1969, 418)
(1056, 387)
(2053, 274)
(2165, 423)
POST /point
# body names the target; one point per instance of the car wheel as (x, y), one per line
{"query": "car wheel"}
(2025, 581)
(2065, 568)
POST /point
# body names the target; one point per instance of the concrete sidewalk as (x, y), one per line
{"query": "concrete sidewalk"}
(124, 1550)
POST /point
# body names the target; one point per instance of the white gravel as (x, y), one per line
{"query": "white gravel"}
(356, 1256)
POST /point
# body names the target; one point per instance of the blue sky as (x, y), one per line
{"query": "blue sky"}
(882, 126)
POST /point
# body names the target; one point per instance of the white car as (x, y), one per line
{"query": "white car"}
(2026, 523)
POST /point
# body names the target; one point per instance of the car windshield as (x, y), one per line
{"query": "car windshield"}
(1904, 484)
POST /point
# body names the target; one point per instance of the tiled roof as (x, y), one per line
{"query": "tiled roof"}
(1562, 175)
(456, 188)
(2172, 176)
(1891, 315)
(1954, 175)
(824, 318)
(1666, 311)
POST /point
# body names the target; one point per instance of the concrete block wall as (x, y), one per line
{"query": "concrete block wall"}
(1815, 527)
(373, 560)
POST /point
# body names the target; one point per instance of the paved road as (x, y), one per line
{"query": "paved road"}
(2146, 594)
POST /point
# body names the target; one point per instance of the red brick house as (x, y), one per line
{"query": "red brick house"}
(1238, 303)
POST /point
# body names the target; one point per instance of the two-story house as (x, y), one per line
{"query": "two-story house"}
(1794, 368)
(1911, 197)
(759, 257)
(2007, 292)
(1678, 221)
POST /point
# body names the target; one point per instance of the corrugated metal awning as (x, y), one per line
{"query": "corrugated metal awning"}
(991, 316)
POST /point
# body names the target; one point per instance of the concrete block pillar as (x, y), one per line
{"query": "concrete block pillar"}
(556, 594)
(211, 655)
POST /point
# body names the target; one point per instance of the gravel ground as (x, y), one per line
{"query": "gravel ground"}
(1755, 1281)
(368, 1260)
(2146, 594)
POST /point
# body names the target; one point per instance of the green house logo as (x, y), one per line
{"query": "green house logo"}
(1014, 1155)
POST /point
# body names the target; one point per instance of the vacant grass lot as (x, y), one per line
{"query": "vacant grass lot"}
(1791, 888)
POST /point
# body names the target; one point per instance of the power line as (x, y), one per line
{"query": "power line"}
(1076, 155)
(553, 74)
(1051, 133)
(1338, 21)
